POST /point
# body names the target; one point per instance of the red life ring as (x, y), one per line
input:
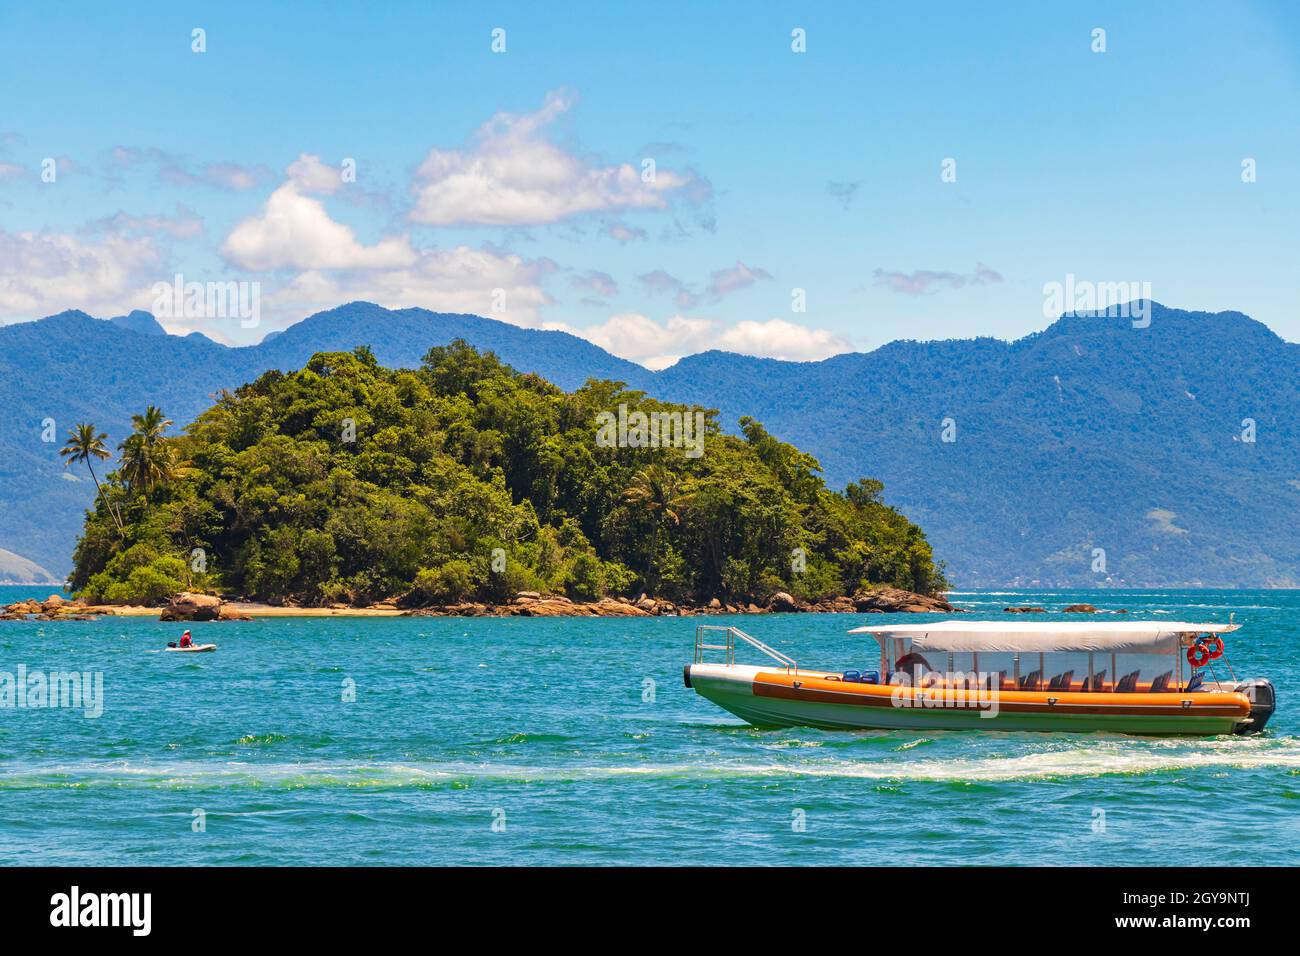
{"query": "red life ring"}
(1215, 645)
(1198, 655)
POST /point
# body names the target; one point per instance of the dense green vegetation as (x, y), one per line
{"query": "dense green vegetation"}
(1087, 435)
(464, 479)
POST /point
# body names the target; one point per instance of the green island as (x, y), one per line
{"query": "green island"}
(466, 480)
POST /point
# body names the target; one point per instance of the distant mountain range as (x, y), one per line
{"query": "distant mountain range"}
(1090, 454)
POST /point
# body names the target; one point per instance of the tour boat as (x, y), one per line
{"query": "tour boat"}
(1134, 677)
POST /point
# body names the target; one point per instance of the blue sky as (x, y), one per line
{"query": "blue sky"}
(520, 172)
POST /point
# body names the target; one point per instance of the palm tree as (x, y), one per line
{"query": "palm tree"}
(147, 458)
(83, 444)
(658, 491)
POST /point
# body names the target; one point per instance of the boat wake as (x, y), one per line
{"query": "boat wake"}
(909, 761)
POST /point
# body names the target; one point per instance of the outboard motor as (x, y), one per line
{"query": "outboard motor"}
(1263, 701)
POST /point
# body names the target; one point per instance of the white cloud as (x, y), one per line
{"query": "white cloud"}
(293, 231)
(623, 233)
(235, 177)
(656, 345)
(597, 282)
(510, 175)
(660, 281)
(175, 170)
(723, 282)
(633, 336)
(310, 175)
(461, 279)
(185, 224)
(777, 338)
(44, 273)
(925, 281)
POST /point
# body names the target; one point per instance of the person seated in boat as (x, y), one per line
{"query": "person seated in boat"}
(186, 640)
(913, 665)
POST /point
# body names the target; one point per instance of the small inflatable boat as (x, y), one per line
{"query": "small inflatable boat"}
(193, 648)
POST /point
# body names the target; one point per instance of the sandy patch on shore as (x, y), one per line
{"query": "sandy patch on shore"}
(250, 608)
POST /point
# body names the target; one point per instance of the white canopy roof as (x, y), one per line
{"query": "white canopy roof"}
(1134, 637)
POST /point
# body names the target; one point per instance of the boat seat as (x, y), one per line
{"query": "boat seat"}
(1031, 681)
(1062, 681)
(1094, 683)
(1161, 684)
(1128, 683)
(1197, 680)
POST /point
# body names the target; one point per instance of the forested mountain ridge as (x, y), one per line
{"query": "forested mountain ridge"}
(1089, 435)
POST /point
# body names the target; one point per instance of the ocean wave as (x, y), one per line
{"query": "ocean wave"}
(262, 739)
(1107, 758)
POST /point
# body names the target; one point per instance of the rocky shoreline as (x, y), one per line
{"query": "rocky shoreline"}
(533, 604)
(188, 606)
(53, 608)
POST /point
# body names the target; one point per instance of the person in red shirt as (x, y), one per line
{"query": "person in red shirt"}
(186, 640)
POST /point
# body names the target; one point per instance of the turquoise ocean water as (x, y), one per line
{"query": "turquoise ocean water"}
(544, 742)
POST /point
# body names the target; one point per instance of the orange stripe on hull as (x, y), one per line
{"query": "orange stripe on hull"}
(817, 689)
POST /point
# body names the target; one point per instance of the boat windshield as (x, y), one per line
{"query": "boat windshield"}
(1072, 671)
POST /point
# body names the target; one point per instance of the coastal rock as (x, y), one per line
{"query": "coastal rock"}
(895, 600)
(53, 608)
(545, 607)
(1079, 609)
(781, 601)
(524, 604)
(612, 607)
(837, 605)
(464, 609)
(189, 606)
(1024, 609)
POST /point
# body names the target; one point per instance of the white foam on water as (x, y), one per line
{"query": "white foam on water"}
(1112, 757)
(1092, 761)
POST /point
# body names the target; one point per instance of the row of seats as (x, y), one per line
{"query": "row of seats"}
(1128, 684)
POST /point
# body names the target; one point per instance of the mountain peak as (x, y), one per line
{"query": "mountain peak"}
(1145, 315)
(68, 315)
(140, 321)
(1068, 439)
